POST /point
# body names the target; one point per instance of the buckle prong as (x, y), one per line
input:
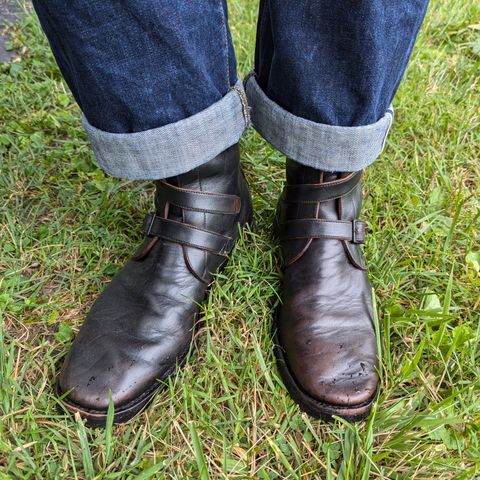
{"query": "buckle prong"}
(150, 221)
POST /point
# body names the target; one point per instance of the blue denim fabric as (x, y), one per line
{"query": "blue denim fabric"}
(134, 65)
(325, 147)
(157, 83)
(174, 148)
(335, 62)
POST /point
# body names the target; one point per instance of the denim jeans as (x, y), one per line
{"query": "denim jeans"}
(157, 83)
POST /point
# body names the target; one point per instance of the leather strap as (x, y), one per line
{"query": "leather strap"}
(199, 201)
(351, 231)
(321, 192)
(186, 234)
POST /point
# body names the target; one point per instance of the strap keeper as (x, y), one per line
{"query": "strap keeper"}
(358, 231)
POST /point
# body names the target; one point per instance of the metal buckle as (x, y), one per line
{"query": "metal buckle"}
(358, 231)
(148, 223)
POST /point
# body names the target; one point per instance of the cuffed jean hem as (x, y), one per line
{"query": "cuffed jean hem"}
(175, 148)
(317, 145)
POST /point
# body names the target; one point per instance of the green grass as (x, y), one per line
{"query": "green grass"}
(66, 228)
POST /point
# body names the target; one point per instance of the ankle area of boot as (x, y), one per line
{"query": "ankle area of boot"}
(298, 174)
(320, 209)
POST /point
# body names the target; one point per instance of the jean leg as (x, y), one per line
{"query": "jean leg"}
(331, 64)
(156, 80)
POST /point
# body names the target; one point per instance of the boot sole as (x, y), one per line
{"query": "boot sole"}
(126, 412)
(312, 406)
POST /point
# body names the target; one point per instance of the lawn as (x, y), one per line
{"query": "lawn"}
(66, 228)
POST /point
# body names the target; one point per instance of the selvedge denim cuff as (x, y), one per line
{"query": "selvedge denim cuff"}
(317, 145)
(175, 148)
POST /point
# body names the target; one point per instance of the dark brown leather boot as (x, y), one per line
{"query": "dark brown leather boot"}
(141, 327)
(325, 340)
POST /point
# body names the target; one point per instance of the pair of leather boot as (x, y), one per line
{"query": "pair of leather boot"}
(140, 328)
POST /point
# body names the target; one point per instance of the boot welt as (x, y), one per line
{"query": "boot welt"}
(312, 406)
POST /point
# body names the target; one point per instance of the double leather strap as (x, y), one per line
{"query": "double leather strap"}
(351, 231)
(191, 235)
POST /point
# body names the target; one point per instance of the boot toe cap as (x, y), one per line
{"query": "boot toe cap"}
(337, 370)
(90, 388)
(126, 369)
(344, 388)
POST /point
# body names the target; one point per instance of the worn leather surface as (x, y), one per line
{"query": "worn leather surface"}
(141, 326)
(325, 323)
